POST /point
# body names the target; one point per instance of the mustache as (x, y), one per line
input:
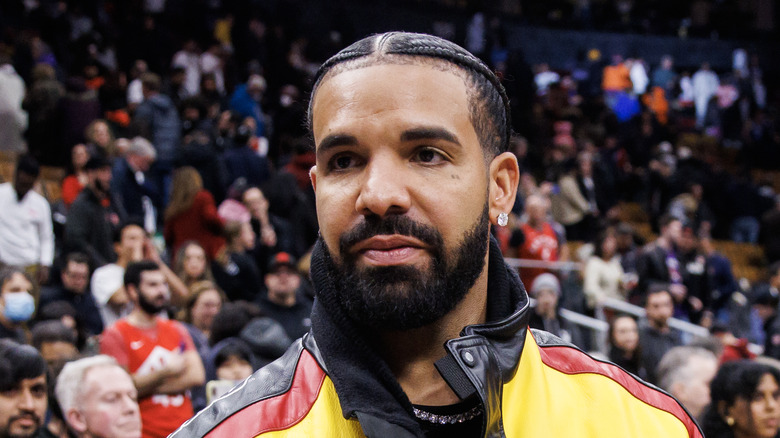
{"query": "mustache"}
(29, 415)
(374, 225)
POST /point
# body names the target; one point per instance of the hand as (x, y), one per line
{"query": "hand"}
(268, 236)
(678, 291)
(175, 364)
(150, 251)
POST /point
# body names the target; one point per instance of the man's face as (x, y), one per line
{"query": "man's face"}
(546, 301)
(23, 408)
(109, 407)
(673, 231)
(153, 293)
(401, 186)
(100, 179)
(256, 202)
(694, 393)
(23, 183)
(282, 281)
(659, 308)
(75, 277)
(57, 353)
(132, 241)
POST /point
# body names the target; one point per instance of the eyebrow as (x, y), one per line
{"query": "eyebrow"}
(336, 140)
(429, 133)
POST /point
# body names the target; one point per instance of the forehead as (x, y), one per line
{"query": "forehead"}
(374, 94)
(106, 378)
(16, 280)
(156, 275)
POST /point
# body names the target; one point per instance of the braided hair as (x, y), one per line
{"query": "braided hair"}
(488, 102)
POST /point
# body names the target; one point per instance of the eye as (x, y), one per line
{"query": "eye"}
(342, 162)
(428, 155)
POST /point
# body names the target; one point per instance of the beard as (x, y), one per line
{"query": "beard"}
(149, 306)
(406, 297)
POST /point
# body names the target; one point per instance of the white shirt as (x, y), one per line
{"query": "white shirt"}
(26, 234)
(106, 280)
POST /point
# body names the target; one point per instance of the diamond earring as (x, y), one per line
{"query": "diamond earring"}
(503, 219)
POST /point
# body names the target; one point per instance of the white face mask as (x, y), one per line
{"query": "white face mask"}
(19, 306)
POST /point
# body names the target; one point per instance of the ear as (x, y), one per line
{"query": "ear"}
(678, 390)
(313, 176)
(76, 421)
(504, 177)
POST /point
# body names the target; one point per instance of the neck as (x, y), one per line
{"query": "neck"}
(139, 318)
(411, 354)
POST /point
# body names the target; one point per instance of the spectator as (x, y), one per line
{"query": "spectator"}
(655, 335)
(57, 344)
(705, 84)
(23, 390)
(13, 119)
(538, 238)
(664, 76)
(191, 264)
(284, 300)
(624, 348)
(77, 177)
(188, 58)
(132, 186)
(107, 281)
(74, 289)
(744, 401)
(686, 373)
(158, 354)
(17, 302)
(192, 215)
(546, 289)
(243, 162)
(157, 120)
(26, 233)
(246, 101)
(42, 102)
(94, 217)
(239, 277)
(100, 139)
(98, 399)
(233, 362)
(273, 233)
(765, 300)
(571, 208)
(603, 276)
(659, 260)
(721, 281)
(78, 108)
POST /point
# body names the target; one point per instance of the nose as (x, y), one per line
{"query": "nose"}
(384, 189)
(26, 401)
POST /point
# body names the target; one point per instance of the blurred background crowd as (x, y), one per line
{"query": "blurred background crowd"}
(648, 217)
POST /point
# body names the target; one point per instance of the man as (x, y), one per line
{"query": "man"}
(23, 396)
(74, 290)
(655, 335)
(26, 233)
(272, 232)
(284, 300)
(158, 121)
(659, 261)
(686, 372)
(131, 185)
(98, 399)
(159, 354)
(546, 290)
(56, 342)
(538, 238)
(410, 133)
(765, 301)
(107, 281)
(94, 216)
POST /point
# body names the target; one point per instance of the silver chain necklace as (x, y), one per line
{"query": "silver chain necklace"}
(448, 419)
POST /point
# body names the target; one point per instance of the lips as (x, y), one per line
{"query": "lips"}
(387, 250)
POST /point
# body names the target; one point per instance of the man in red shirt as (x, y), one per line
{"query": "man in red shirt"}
(159, 354)
(538, 238)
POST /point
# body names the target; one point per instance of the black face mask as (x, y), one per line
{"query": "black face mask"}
(406, 297)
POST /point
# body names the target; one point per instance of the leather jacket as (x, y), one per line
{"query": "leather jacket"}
(530, 384)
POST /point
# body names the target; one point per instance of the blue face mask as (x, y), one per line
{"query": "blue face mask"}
(19, 306)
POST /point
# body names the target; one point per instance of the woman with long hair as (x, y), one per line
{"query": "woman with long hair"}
(745, 401)
(603, 276)
(192, 215)
(76, 179)
(624, 349)
(100, 139)
(191, 264)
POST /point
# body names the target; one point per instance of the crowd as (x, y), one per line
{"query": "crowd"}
(179, 245)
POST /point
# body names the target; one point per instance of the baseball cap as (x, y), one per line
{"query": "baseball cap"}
(282, 259)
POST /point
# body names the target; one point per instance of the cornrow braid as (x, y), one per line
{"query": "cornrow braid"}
(488, 102)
